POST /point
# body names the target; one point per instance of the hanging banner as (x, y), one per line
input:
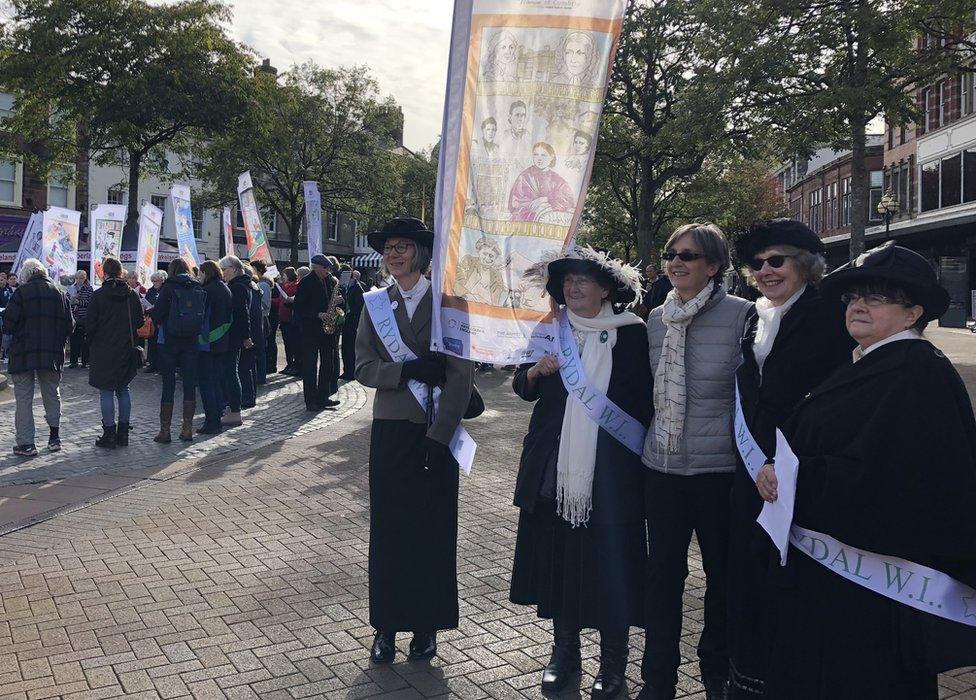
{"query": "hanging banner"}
(525, 89)
(150, 223)
(59, 248)
(183, 217)
(313, 217)
(257, 242)
(227, 230)
(30, 242)
(106, 222)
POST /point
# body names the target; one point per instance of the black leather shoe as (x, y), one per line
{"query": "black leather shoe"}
(384, 647)
(716, 688)
(423, 646)
(563, 665)
(610, 680)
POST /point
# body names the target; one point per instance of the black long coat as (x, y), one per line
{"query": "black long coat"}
(810, 345)
(887, 450)
(38, 317)
(114, 315)
(240, 328)
(312, 298)
(220, 303)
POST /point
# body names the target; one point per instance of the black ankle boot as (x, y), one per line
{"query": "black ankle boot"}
(613, 664)
(108, 438)
(122, 435)
(716, 687)
(423, 646)
(384, 647)
(565, 660)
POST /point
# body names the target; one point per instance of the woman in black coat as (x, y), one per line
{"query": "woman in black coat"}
(581, 553)
(793, 341)
(114, 315)
(238, 337)
(887, 469)
(214, 346)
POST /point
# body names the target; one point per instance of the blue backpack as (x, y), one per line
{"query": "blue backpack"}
(186, 312)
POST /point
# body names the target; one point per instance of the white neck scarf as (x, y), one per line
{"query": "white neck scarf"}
(670, 392)
(412, 296)
(767, 327)
(577, 443)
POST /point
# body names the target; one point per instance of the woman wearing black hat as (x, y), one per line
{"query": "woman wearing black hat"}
(413, 476)
(580, 552)
(887, 452)
(793, 341)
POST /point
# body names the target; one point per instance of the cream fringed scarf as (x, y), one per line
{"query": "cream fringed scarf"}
(670, 394)
(577, 443)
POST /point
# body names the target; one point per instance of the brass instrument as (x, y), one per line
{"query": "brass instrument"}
(335, 314)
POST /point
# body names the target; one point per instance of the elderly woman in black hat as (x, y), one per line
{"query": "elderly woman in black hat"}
(793, 341)
(581, 549)
(413, 475)
(887, 472)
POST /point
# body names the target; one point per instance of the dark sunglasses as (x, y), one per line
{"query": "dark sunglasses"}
(775, 262)
(683, 256)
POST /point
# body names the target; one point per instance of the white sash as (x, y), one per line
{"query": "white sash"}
(380, 312)
(600, 409)
(903, 581)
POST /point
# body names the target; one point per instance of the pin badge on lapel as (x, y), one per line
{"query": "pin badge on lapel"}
(603, 336)
(394, 305)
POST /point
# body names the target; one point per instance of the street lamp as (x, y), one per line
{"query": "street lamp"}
(887, 207)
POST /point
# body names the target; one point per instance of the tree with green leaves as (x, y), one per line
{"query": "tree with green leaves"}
(122, 80)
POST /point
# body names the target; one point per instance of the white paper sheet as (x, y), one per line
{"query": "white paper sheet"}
(777, 518)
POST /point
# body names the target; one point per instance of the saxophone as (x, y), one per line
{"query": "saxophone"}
(335, 314)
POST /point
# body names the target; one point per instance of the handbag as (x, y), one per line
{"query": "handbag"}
(138, 353)
(476, 404)
(147, 329)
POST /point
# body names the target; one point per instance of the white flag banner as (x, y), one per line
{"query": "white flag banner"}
(313, 217)
(183, 218)
(59, 247)
(106, 223)
(525, 89)
(30, 242)
(227, 231)
(257, 241)
(150, 223)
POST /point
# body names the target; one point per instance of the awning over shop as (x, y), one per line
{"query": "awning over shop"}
(367, 260)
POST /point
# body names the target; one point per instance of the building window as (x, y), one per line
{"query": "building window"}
(969, 176)
(926, 124)
(929, 186)
(796, 206)
(61, 189)
(875, 191)
(116, 195)
(196, 212)
(11, 183)
(816, 214)
(269, 220)
(159, 200)
(904, 135)
(334, 227)
(845, 202)
(951, 186)
(943, 106)
(905, 189)
(831, 205)
(966, 103)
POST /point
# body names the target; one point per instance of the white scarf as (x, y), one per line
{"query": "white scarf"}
(767, 327)
(670, 392)
(577, 443)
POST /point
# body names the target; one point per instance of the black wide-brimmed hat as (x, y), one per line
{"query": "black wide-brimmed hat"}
(897, 266)
(401, 227)
(776, 232)
(623, 280)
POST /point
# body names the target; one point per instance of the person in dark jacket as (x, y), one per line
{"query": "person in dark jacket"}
(886, 448)
(793, 341)
(79, 296)
(266, 291)
(239, 336)
(114, 315)
(353, 294)
(581, 548)
(215, 341)
(290, 331)
(248, 366)
(38, 319)
(271, 319)
(177, 348)
(152, 295)
(314, 298)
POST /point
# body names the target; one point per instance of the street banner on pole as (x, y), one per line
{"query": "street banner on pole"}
(150, 223)
(313, 217)
(257, 242)
(60, 242)
(106, 222)
(525, 89)
(183, 217)
(227, 231)
(30, 242)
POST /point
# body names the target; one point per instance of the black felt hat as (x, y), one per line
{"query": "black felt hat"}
(401, 227)
(623, 280)
(895, 265)
(777, 232)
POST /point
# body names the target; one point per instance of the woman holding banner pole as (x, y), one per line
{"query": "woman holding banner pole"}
(885, 498)
(413, 474)
(581, 548)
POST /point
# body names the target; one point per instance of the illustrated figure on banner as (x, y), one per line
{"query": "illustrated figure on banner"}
(502, 61)
(479, 276)
(539, 193)
(106, 236)
(576, 60)
(59, 241)
(581, 151)
(487, 146)
(516, 138)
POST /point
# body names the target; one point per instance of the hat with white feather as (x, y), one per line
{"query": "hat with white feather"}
(623, 280)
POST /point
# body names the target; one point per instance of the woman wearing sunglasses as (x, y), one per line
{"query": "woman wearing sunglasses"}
(793, 341)
(694, 340)
(887, 451)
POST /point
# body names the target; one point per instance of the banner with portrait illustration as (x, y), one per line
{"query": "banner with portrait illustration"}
(186, 242)
(59, 246)
(257, 242)
(525, 89)
(227, 231)
(106, 222)
(313, 217)
(150, 223)
(30, 242)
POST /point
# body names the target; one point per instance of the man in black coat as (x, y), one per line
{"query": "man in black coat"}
(354, 309)
(312, 300)
(39, 320)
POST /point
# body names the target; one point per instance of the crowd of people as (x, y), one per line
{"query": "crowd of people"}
(213, 330)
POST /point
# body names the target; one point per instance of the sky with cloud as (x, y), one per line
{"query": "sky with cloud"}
(404, 42)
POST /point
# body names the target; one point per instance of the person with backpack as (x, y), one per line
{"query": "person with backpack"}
(179, 315)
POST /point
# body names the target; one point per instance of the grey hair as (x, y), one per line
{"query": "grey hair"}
(158, 275)
(811, 266)
(303, 271)
(81, 272)
(232, 261)
(31, 268)
(709, 237)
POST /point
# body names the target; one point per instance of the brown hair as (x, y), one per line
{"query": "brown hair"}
(210, 271)
(178, 266)
(711, 240)
(111, 266)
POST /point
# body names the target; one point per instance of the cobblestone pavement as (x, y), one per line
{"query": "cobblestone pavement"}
(244, 576)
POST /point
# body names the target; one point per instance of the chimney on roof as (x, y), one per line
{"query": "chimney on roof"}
(266, 68)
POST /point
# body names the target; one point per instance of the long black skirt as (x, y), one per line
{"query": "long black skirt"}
(413, 524)
(591, 577)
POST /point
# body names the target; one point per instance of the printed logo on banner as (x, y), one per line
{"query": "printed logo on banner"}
(454, 345)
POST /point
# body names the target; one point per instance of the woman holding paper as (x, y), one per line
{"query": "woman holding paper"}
(413, 475)
(793, 341)
(581, 549)
(886, 486)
